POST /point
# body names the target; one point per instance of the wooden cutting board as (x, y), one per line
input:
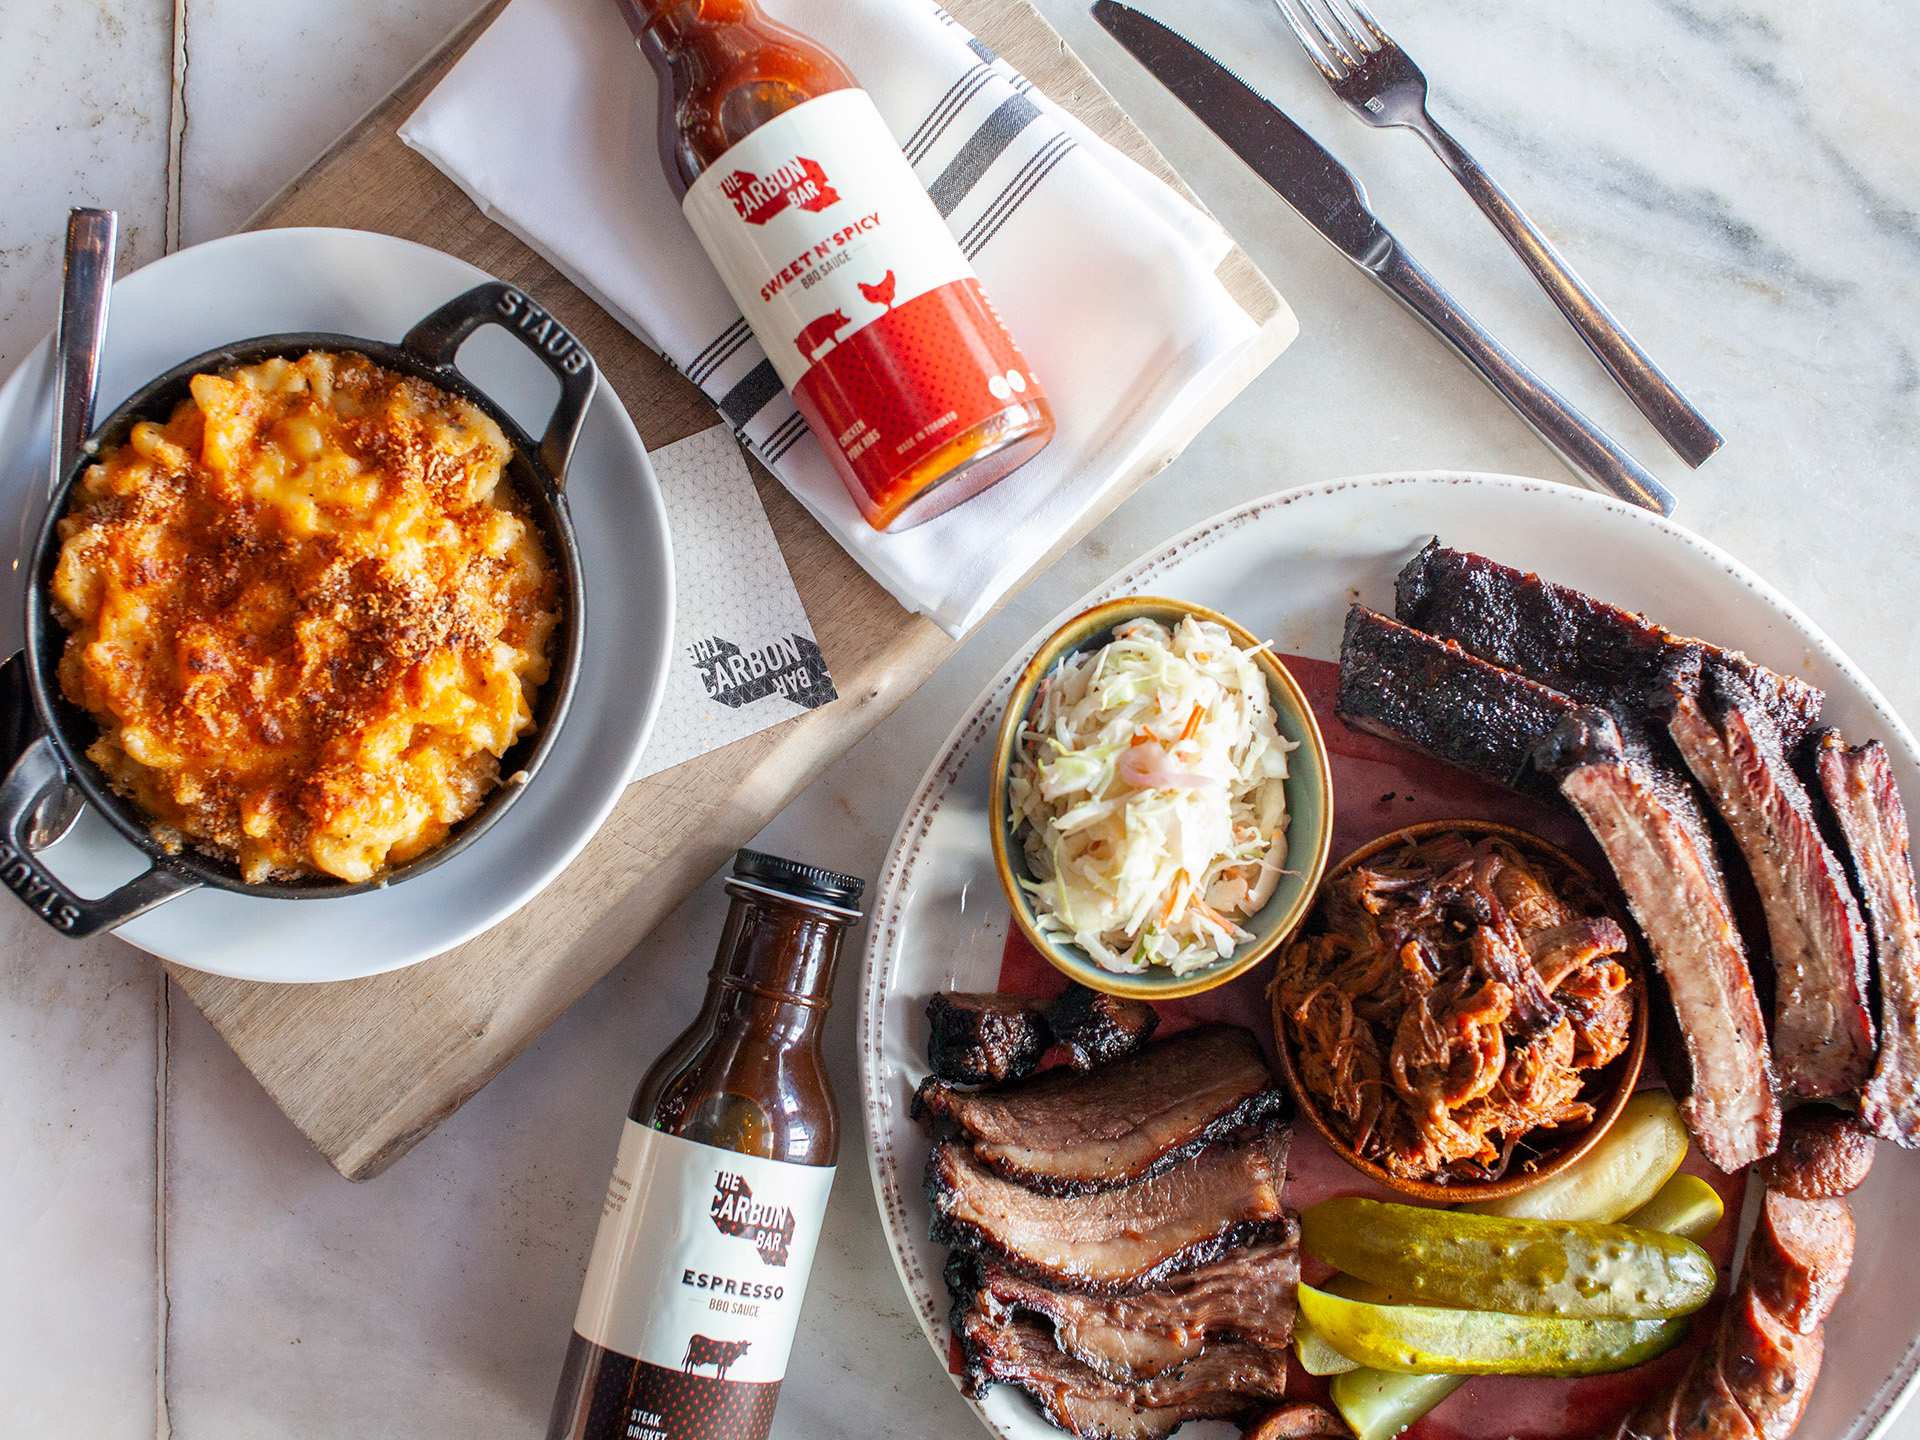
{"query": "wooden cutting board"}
(366, 1068)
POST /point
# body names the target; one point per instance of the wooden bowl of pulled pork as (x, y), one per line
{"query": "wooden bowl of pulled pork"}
(1464, 1013)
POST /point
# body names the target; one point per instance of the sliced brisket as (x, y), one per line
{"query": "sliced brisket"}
(1656, 843)
(1226, 1381)
(1098, 1029)
(1858, 787)
(1822, 1029)
(1116, 1241)
(984, 1038)
(1066, 1133)
(1247, 1294)
(1401, 684)
(1592, 651)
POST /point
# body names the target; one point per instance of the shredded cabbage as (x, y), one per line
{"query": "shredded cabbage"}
(1148, 791)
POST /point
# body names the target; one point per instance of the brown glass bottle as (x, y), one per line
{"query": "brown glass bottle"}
(700, 1262)
(879, 329)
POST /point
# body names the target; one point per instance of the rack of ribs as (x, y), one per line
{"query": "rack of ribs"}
(1857, 787)
(1400, 683)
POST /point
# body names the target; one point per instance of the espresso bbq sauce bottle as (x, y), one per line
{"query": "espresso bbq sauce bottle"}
(700, 1263)
(839, 261)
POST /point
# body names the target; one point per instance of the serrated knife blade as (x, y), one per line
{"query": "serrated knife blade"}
(1328, 197)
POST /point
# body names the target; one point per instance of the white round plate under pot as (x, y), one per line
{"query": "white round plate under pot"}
(356, 282)
(1287, 567)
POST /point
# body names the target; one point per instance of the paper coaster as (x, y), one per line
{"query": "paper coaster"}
(744, 656)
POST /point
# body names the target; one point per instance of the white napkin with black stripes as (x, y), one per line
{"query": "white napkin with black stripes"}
(1103, 273)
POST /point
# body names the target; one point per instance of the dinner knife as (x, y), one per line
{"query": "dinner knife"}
(1328, 197)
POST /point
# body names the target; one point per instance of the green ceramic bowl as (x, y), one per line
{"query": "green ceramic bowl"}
(1309, 807)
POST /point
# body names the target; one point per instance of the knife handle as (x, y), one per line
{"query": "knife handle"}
(1583, 445)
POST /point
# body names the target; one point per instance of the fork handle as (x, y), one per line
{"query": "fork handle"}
(1660, 400)
(1583, 445)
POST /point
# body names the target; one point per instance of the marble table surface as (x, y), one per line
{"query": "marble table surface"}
(1738, 179)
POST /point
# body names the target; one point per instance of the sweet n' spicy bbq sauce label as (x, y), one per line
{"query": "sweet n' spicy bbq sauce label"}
(855, 288)
(697, 1274)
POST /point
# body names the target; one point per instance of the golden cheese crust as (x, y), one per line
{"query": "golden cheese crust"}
(309, 614)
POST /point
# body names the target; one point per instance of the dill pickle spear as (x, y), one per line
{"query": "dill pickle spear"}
(1568, 1268)
(1427, 1340)
(1316, 1356)
(1686, 1205)
(1622, 1172)
(1379, 1404)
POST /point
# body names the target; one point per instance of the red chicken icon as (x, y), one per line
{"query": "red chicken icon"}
(880, 293)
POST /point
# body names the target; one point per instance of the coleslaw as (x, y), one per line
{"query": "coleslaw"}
(1148, 792)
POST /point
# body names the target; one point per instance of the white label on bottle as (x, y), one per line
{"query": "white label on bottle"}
(701, 1259)
(819, 227)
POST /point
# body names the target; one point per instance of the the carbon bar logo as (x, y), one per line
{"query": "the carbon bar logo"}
(737, 1213)
(800, 182)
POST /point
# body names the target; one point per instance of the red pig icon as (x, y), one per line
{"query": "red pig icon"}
(819, 334)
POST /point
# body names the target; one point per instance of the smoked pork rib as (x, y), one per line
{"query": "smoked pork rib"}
(1822, 1028)
(1248, 1295)
(1067, 1133)
(1567, 639)
(1657, 845)
(1223, 1382)
(1401, 684)
(1859, 790)
(1407, 686)
(1116, 1241)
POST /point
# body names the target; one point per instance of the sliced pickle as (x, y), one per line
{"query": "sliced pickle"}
(1316, 1356)
(1623, 1171)
(1686, 1205)
(1378, 1404)
(1427, 1340)
(1574, 1269)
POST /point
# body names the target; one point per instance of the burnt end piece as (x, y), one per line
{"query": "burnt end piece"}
(1403, 685)
(984, 1038)
(1656, 843)
(1065, 1133)
(1822, 1028)
(1098, 1029)
(1861, 802)
(1565, 638)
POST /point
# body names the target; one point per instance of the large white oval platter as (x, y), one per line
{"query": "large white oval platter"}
(355, 282)
(1287, 567)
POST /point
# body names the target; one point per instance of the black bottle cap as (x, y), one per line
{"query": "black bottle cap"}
(800, 880)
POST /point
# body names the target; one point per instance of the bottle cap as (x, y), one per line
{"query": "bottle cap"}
(803, 882)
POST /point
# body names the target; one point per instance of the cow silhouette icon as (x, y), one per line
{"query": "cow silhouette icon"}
(705, 1350)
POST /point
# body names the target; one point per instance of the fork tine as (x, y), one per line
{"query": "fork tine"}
(1349, 59)
(1360, 9)
(1362, 44)
(1334, 71)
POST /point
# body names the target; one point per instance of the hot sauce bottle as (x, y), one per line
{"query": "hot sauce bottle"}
(700, 1262)
(839, 260)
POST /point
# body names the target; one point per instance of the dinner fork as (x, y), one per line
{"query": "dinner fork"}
(1380, 82)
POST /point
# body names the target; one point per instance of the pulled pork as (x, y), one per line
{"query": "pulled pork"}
(1451, 998)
